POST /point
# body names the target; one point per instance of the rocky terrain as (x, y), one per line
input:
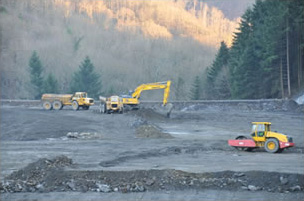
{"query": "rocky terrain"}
(143, 155)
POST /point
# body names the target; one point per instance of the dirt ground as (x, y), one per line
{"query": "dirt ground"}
(142, 155)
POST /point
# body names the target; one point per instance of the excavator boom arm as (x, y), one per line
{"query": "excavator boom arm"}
(152, 86)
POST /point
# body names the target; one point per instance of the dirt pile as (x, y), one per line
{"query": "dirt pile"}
(49, 176)
(151, 131)
(84, 135)
(148, 114)
(35, 176)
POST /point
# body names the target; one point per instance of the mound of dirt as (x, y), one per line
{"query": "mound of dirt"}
(150, 131)
(49, 176)
(35, 176)
(149, 114)
(85, 135)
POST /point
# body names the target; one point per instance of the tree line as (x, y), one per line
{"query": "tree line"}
(265, 59)
(122, 54)
(83, 80)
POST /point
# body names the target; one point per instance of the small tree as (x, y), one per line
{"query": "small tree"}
(36, 71)
(196, 89)
(179, 89)
(215, 71)
(86, 79)
(50, 84)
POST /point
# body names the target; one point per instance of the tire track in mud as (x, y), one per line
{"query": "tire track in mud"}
(175, 150)
(167, 151)
(126, 156)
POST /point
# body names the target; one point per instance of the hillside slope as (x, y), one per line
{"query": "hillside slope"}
(129, 42)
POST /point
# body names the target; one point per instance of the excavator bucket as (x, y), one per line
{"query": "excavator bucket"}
(168, 108)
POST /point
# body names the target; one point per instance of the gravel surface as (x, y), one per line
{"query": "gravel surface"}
(143, 155)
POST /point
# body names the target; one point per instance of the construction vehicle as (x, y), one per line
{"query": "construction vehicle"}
(262, 136)
(133, 99)
(111, 104)
(57, 101)
(125, 102)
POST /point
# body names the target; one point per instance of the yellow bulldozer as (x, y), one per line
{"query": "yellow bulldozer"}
(57, 101)
(262, 136)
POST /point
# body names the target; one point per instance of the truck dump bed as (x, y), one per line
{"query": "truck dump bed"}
(64, 98)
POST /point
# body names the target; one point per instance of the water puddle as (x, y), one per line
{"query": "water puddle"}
(177, 132)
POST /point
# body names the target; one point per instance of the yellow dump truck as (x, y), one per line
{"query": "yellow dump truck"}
(111, 104)
(57, 101)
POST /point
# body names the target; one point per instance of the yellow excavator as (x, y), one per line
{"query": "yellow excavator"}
(133, 99)
(110, 105)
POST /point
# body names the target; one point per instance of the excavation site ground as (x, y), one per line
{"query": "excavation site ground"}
(143, 155)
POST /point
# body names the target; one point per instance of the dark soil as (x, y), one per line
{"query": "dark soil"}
(149, 114)
(151, 131)
(49, 175)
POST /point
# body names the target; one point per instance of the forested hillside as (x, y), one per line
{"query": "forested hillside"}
(128, 42)
(266, 57)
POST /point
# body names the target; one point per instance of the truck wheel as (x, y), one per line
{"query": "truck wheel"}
(272, 145)
(86, 107)
(121, 110)
(105, 109)
(243, 148)
(57, 105)
(47, 105)
(101, 108)
(75, 105)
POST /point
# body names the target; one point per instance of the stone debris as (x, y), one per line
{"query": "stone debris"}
(103, 188)
(283, 180)
(51, 175)
(84, 135)
(238, 174)
(296, 188)
(253, 188)
(151, 131)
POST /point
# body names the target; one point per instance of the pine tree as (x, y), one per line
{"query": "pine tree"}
(179, 88)
(222, 85)
(196, 89)
(36, 70)
(86, 79)
(218, 65)
(267, 52)
(50, 84)
(236, 61)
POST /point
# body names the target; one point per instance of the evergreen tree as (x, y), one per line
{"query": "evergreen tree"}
(50, 84)
(36, 70)
(86, 79)
(266, 57)
(238, 75)
(222, 85)
(220, 62)
(179, 88)
(196, 89)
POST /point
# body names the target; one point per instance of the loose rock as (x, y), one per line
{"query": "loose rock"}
(253, 188)
(283, 180)
(104, 188)
(295, 188)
